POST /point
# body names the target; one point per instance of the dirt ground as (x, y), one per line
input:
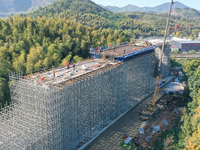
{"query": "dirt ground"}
(169, 113)
(171, 118)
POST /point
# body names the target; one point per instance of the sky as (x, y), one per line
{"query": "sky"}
(151, 3)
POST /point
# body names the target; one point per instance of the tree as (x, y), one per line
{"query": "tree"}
(192, 52)
(109, 39)
(68, 59)
(194, 140)
(19, 63)
(177, 27)
(54, 54)
(190, 66)
(4, 91)
(77, 59)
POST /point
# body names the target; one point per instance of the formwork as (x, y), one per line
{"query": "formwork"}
(65, 114)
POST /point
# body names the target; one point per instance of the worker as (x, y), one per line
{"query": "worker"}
(67, 65)
(42, 79)
(134, 49)
(74, 67)
(54, 74)
(124, 51)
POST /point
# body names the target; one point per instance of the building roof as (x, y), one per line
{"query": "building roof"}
(187, 42)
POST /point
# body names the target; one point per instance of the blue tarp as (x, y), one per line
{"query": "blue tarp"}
(95, 55)
(135, 54)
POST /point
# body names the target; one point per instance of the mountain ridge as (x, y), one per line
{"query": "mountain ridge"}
(22, 5)
(186, 13)
(158, 9)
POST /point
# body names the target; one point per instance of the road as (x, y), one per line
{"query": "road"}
(128, 124)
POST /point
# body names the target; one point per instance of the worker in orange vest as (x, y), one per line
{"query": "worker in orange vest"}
(42, 79)
(54, 73)
(66, 64)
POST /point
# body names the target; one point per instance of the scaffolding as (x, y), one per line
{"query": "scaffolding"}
(165, 69)
(63, 116)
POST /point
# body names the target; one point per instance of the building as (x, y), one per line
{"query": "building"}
(186, 46)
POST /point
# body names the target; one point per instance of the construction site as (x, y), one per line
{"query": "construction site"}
(63, 108)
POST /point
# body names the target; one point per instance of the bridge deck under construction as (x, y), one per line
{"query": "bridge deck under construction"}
(63, 75)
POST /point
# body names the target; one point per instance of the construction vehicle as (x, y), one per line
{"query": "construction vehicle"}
(147, 115)
(152, 109)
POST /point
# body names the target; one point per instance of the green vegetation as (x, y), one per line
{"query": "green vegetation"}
(30, 45)
(129, 146)
(187, 134)
(178, 26)
(175, 51)
(89, 14)
(135, 23)
(191, 115)
(174, 62)
(192, 52)
(186, 12)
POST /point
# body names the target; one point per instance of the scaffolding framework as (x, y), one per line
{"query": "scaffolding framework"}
(165, 69)
(51, 118)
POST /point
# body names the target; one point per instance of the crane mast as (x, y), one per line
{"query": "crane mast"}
(159, 76)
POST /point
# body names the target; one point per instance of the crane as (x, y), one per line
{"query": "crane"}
(161, 56)
(151, 108)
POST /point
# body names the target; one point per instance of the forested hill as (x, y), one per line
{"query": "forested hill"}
(186, 13)
(61, 7)
(135, 24)
(89, 14)
(22, 5)
(10, 7)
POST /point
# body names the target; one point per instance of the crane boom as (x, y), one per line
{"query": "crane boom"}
(151, 108)
(161, 56)
(164, 40)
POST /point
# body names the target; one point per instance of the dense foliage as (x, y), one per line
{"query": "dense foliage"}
(191, 114)
(30, 45)
(178, 26)
(187, 134)
(90, 14)
(135, 23)
(186, 13)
